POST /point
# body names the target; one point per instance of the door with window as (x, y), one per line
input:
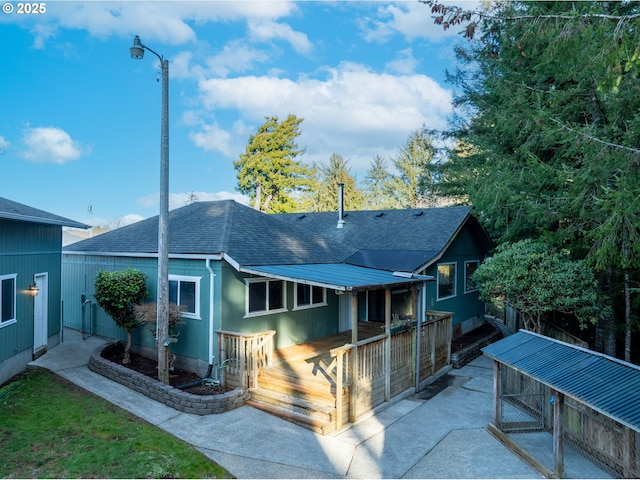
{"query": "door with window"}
(40, 314)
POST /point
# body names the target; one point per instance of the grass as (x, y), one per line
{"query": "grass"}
(50, 428)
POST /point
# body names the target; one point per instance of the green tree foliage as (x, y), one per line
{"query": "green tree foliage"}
(378, 187)
(414, 162)
(269, 171)
(548, 102)
(536, 280)
(117, 293)
(324, 198)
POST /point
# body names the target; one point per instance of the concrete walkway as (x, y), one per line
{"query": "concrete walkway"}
(438, 433)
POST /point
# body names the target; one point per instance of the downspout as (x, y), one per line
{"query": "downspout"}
(207, 375)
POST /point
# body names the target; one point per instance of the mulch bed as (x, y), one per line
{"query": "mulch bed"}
(149, 367)
(471, 337)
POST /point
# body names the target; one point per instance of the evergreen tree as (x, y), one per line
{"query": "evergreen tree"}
(414, 183)
(549, 104)
(378, 187)
(325, 196)
(269, 171)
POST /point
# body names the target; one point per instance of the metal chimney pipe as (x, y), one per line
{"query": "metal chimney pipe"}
(340, 205)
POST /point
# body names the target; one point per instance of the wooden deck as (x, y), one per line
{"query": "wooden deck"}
(319, 349)
(308, 385)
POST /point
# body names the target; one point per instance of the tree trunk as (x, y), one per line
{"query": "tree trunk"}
(127, 357)
(609, 324)
(257, 202)
(627, 318)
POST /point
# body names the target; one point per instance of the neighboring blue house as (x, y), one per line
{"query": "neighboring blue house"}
(236, 269)
(30, 283)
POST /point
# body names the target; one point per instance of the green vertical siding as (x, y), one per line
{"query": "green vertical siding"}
(27, 249)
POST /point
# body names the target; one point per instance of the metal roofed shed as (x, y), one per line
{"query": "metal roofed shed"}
(586, 399)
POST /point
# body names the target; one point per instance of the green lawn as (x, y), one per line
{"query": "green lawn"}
(50, 428)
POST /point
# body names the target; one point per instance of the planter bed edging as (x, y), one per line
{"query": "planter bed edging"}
(465, 355)
(183, 401)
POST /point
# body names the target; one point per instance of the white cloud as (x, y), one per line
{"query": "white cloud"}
(404, 62)
(51, 145)
(409, 19)
(166, 21)
(265, 30)
(4, 143)
(177, 200)
(353, 111)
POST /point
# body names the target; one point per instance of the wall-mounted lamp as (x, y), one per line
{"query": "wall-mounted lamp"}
(34, 289)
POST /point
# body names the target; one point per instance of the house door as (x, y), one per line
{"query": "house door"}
(345, 312)
(40, 314)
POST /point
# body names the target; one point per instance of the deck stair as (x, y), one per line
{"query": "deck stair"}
(298, 389)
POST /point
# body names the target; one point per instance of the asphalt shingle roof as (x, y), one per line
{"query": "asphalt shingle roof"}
(404, 240)
(247, 236)
(11, 210)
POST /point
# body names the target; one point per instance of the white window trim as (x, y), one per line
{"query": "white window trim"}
(260, 313)
(311, 305)
(196, 280)
(13, 320)
(466, 262)
(455, 281)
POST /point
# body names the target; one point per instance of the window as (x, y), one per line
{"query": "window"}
(185, 291)
(264, 296)
(307, 296)
(7, 299)
(469, 269)
(446, 280)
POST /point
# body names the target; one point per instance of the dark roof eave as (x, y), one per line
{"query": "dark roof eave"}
(62, 222)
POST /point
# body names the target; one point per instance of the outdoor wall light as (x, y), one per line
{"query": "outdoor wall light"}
(34, 289)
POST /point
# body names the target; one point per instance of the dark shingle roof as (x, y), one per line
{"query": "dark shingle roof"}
(405, 240)
(247, 236)
(11, 210)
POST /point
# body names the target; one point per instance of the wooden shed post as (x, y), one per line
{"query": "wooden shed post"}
(353, 388)
(497, 393)
(558, 433)
(387, 344)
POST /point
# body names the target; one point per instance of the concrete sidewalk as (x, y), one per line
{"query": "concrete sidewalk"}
(433, 434)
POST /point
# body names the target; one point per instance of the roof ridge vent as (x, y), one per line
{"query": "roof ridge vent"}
(419, 213)
(379, 214)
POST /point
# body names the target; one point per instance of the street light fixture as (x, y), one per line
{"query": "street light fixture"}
(162, 319)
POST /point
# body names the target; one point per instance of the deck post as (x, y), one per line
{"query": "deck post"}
(497, 395)
(418, 313)
(355, 360)
(339, 374)
(387, 344)
(558, 433)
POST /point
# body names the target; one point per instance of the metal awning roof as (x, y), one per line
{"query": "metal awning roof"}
(605, 384)
(338, 276)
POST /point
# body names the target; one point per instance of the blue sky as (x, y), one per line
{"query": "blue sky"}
(80, 119)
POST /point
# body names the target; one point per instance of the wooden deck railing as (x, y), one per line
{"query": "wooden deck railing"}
(243, 355)
(377, 379)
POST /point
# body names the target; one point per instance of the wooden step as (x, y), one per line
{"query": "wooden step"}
(317, 380)
(295, 404)
(296, 387)
(306, 421)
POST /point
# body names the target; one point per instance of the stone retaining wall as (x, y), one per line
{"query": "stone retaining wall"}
(463, 356)
(170, 396)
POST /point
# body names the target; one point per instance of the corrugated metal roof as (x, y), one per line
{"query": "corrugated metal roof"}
(604, 383)
(339, 276)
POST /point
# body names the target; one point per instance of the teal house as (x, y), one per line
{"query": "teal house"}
(30, 283)
(302, 276)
